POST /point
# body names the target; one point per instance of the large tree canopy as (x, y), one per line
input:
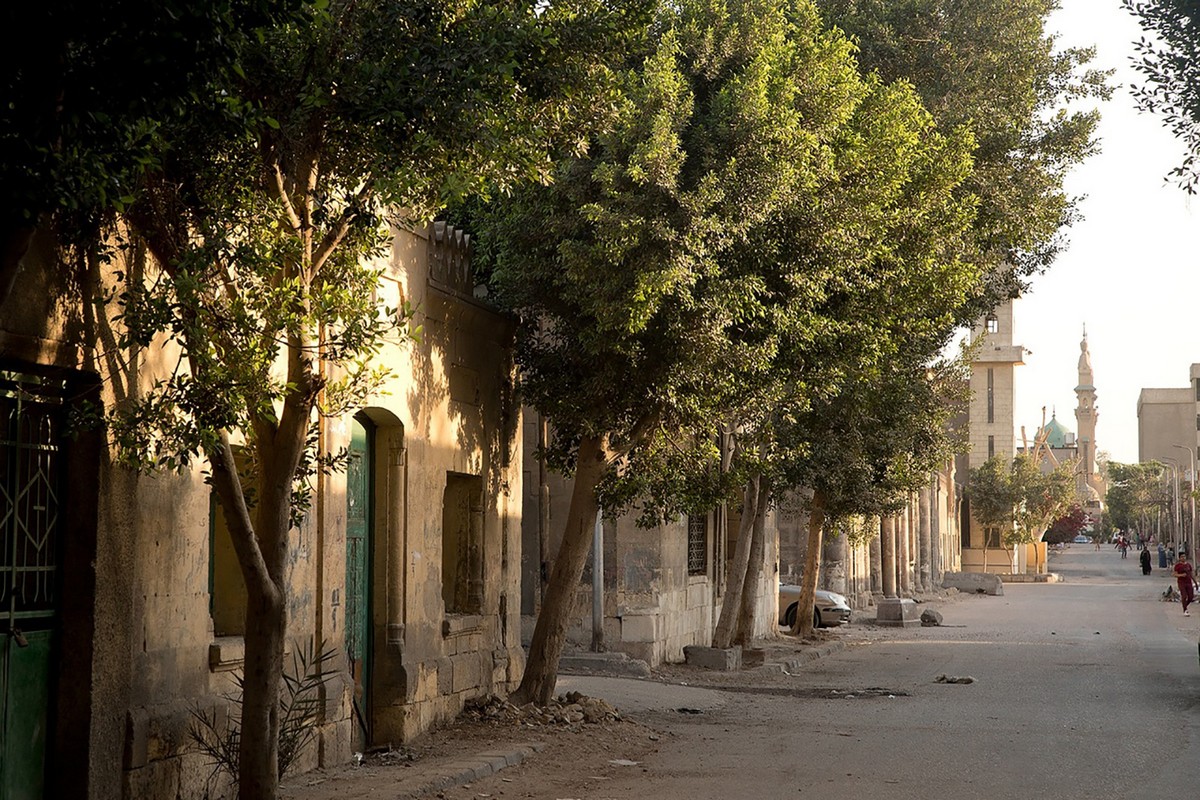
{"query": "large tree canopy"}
(991, 66)
(84, 98)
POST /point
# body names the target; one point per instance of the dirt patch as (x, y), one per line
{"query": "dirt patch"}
(579, 737)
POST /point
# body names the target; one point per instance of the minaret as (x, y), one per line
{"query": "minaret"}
(1086, 414)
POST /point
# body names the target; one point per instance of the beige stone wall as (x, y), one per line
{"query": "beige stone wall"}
(143, 651)
(1166, 417)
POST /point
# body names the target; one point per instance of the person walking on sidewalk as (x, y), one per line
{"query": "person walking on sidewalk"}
(1183, 576)
(1145, 559)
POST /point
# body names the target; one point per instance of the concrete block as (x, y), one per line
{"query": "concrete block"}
(974, 582)
(897, 612)
(723, 660)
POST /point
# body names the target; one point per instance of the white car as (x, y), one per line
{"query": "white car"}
(1081, 539)
(831, 609)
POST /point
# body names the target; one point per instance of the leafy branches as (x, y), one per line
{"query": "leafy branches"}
(1171, 63)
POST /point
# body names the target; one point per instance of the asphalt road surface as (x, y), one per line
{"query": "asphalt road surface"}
(1083, 689)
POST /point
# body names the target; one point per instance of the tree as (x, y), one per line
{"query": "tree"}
(1018, 498)
(1041, 498)
(993, 498)
(990, 66)
(1134, 491)
(754, 189)
(864, 451)
(296, 162)
(83, 101)
(1068, 526)
(1170, 60)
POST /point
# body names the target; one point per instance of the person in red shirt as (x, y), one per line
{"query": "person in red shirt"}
(1183, 576)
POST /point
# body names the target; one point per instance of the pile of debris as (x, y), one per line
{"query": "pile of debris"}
(572, 709)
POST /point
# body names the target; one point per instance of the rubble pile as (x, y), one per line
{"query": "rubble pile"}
(572, 709)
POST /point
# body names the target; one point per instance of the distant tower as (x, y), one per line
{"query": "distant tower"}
(1086, 415)
(993, 387)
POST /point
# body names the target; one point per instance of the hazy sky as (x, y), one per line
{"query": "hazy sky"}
(1130, 271)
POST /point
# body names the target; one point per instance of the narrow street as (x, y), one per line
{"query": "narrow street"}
(1083, 689)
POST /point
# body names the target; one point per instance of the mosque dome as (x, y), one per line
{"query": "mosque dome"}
(1056, 433)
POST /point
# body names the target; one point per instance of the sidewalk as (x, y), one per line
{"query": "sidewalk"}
(476, 747)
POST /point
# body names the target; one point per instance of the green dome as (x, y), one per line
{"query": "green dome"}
(1056, 433)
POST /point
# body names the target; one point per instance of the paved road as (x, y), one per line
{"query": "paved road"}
(1084, 689)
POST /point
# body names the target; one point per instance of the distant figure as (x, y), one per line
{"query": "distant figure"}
(1123, 546)
(1170, 554)
(1162, 556)
(1145, 559)
(1183, 577)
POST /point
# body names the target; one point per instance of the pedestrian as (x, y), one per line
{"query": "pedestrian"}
(1145, 559)
(1170, 554)
(1183, 577)
(1162, 556)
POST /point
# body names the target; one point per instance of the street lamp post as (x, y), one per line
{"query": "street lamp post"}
(1174, 465)
(1192, 497)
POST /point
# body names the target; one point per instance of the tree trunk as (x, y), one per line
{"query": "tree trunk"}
(266, 629)
(550, 631)
(812, 564)
(735, 577)
(758, 545)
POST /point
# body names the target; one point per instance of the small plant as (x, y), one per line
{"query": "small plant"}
(218, 736)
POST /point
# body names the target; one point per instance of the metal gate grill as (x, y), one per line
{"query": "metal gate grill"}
(30, 502)
(30, 471)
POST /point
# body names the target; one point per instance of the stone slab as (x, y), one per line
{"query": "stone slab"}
(897, 612)
(974, 582)
(613, 663)
(714, 658)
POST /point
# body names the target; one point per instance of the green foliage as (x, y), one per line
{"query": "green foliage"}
(761, 226)
(991, 493)
(301, 710)
(1041, 497)
(1170, 60)
(1134, 491)
(1018, 498)
(990, 66)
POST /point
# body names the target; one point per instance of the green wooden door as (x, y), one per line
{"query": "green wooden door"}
(30, 502)
(358, 569)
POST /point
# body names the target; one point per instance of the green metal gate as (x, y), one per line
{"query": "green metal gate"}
(358, 569)
(30, 520)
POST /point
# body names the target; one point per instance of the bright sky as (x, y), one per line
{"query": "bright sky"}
(1130, 271)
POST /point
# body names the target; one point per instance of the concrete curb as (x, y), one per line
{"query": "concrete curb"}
(463, 771)
(796, 663)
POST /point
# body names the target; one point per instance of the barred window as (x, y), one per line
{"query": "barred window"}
(697, 541)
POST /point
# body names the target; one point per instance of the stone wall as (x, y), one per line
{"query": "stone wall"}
(144, 656)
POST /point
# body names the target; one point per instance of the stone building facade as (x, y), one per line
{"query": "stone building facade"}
(1169, 419)
(992, 430)
(407, 563)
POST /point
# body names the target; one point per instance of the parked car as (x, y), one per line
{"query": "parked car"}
(830, 609)
(1081, 539)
